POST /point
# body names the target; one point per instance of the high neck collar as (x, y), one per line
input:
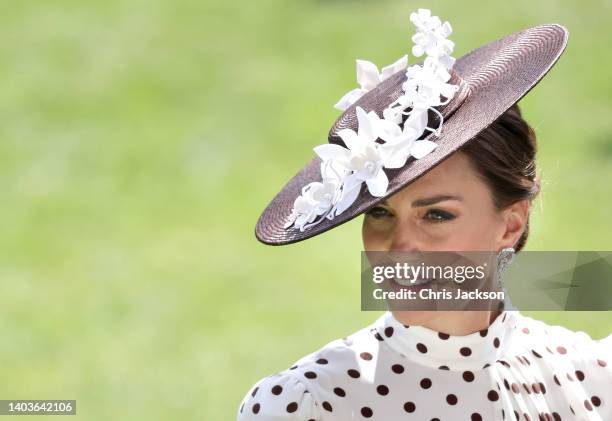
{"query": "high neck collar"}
(453, 352)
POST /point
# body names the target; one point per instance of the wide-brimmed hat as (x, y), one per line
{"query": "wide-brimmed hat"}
(485, 83)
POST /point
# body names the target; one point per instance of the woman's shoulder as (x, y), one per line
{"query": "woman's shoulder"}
(572, 349)
(299, 392)
(561, 338)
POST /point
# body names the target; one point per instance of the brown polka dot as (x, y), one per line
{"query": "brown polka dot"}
(492, 395)
(327, 406)
(556, 416)
(504, 363)
(536, 354)
(293, 367)
(366, 412)
(389, 331)
(561, 350)
(451, 399)
(256, 408)
(339, 392)
(542, 387)
(310, 375)
(595, 400)
(397, 368)
(443, 336)
(506, 384)
(425, 383)
(465, 351)
(421, 348)
(579, 375)
(556, 379)
(525, 330)
(444, 367)
(322, 361)
(409, 407)
(476, 417)
(527, 417)
(515, 388)
(276, 390)
(496, 342)
(377, 336)
(526, 387)
(602, 363)
(382, 390)
(292, 407)
(588, 405)
(353, 373)
(535, 387)
(254, 391)
(468, 376)
(516, 415)
(484, 332)
(366, 356)
(569, 377)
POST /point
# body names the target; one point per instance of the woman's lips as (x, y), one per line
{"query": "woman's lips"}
(417, 286)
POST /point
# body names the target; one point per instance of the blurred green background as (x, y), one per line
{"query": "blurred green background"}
(139, 142)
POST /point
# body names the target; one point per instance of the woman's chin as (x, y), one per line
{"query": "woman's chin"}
(415, 317)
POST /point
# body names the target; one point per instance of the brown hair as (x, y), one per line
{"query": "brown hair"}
(504, 157)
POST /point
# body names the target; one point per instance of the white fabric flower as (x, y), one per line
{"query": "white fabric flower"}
(431, 36)
(368, 78)
(402, 143)
(316, 199)
(361, 158)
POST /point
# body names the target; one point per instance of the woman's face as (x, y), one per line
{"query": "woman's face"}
(448, 209)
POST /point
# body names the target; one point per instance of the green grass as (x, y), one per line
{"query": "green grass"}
(139, 142)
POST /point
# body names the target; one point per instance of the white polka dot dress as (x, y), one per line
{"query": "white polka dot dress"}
(518, 368)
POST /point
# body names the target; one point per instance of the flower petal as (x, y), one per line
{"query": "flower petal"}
(349, 99)
(331, 151)
(348, 197)
(393, 68)
(350, 138)
(367, 129)
(417, 120)
(388, 130)
(395, 156)
(421, 148)
(377, 186)
(367, 74)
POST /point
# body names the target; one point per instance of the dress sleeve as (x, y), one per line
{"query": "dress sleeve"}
(593, 373)
(279, 397)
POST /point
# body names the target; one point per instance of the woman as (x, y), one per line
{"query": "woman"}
(470, 191)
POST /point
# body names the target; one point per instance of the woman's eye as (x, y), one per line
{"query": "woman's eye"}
(378, 212)
(437, 215)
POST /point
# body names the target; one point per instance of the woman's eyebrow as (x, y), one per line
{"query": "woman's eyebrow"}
(433, 200)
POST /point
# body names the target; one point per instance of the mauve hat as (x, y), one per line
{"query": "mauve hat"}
(487, 82)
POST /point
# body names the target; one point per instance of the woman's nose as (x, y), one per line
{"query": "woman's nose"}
(404, 238)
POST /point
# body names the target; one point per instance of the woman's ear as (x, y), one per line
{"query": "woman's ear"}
(515, 219)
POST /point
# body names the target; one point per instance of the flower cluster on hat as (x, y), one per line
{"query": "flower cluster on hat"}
(344, 169)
